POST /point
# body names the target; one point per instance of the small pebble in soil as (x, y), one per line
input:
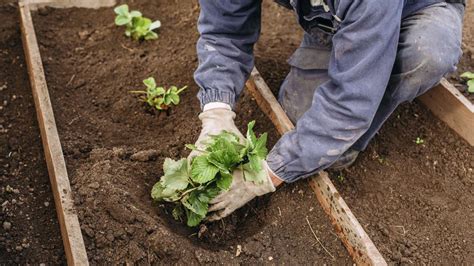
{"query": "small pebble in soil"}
(7, 225)
(46, 204)
(145, 156)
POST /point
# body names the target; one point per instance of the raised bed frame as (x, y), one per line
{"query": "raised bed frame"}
(448, 104)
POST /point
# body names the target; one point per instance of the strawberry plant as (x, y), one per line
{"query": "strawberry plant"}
(192, 186)
(159, 97)
(136, 26)
(469, 76)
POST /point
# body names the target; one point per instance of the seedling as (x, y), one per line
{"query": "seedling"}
(419, 141)
(469, 76)
(159, 97)
(192, 186)
(136, 26)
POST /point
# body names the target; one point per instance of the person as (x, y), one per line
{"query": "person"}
(358, 60)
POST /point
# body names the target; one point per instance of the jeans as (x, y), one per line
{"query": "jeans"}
(429, 47)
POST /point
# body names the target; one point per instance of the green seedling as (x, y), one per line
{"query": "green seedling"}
(419, 141)
(136, 26)
(469, 76)
(341, 178)
(191, 186)
(159, 97)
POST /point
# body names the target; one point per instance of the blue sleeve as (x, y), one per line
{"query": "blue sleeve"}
(362, 57)
(228, 30)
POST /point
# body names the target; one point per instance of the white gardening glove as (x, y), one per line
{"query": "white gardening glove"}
(215, 118)
(239, 193)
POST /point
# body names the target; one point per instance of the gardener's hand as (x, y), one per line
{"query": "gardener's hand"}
(241, 192)
(215, 118)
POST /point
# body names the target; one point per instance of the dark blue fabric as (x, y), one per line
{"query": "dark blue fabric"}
(361, 59)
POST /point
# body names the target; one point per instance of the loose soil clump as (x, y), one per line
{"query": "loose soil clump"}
(115, 147)
(29, 231)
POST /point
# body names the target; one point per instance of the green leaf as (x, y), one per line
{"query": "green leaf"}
(155, 25)
(150, 83)
(224, 181)
(151, 36)
(202, 171)
(467, 75)
(176, 174)
(251, 175)
(135, 14)
(195, 204)
(174, 98)
(260, 148)
(159, 192)
(470, 86)
(254, 162)
(251, 135)
(193, 218)
(121, 10)
(121, 20)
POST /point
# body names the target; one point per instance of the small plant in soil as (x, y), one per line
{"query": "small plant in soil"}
(159, 97)
(469, 77)
(136, 26)
(419, 141)
(192, 186)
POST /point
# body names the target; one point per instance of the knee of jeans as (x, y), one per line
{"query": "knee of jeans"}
(425, 67)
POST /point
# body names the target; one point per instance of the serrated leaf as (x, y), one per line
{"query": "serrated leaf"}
(176, 174)
(251, 175)
(202, 171)
(260, 148)
(155, 25)
(224, 181)
(470, 86)
(135, 13)
(160, 192)
(194, 203)
(121, 10)
(467, 75)
(121, 20)
(193, 218)
(150, 83)
(251, 138)
(254, 162)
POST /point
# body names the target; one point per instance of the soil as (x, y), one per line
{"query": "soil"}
(467, 60)
(115, 146)
(415, 201)
(29, 232)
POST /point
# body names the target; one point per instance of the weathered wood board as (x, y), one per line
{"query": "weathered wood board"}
(450, 106)
(69, 223)
(349, 230)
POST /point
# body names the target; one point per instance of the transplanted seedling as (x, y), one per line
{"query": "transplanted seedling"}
(136, 26)
(159, 97)
(192, 186)
(469, 76)
(419, 141)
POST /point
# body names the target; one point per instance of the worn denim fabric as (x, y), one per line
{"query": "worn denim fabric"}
(344, 83)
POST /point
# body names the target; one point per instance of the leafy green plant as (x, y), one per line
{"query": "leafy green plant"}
(419, 141)
(159, 97)
(136, 26)
(192, 186)
(469, 76)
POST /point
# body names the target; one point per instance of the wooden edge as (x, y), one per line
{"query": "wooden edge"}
(450, 106)
(69, 223)
(34, 4)
(360, 246)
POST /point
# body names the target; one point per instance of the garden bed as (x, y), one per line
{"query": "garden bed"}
(114, 147)
(414, 201)
(29, 231)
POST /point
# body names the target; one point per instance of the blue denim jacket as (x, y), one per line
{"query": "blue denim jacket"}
(365, 39)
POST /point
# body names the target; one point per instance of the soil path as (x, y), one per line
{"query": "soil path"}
(29, 232)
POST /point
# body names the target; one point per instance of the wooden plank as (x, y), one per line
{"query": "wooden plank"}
(33, 4)
(68, 221)
(450, 106)
(360, 246)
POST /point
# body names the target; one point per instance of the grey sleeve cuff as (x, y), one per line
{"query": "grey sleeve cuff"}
(206, 96)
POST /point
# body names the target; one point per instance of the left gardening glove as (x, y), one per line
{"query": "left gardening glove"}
(239, 193)
(215, 118)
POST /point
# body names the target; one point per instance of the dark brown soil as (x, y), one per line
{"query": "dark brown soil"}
(29, 232)
(115, 146)
(415, 201)
(467, 60)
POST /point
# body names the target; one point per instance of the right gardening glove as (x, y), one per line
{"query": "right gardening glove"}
(241, 192)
